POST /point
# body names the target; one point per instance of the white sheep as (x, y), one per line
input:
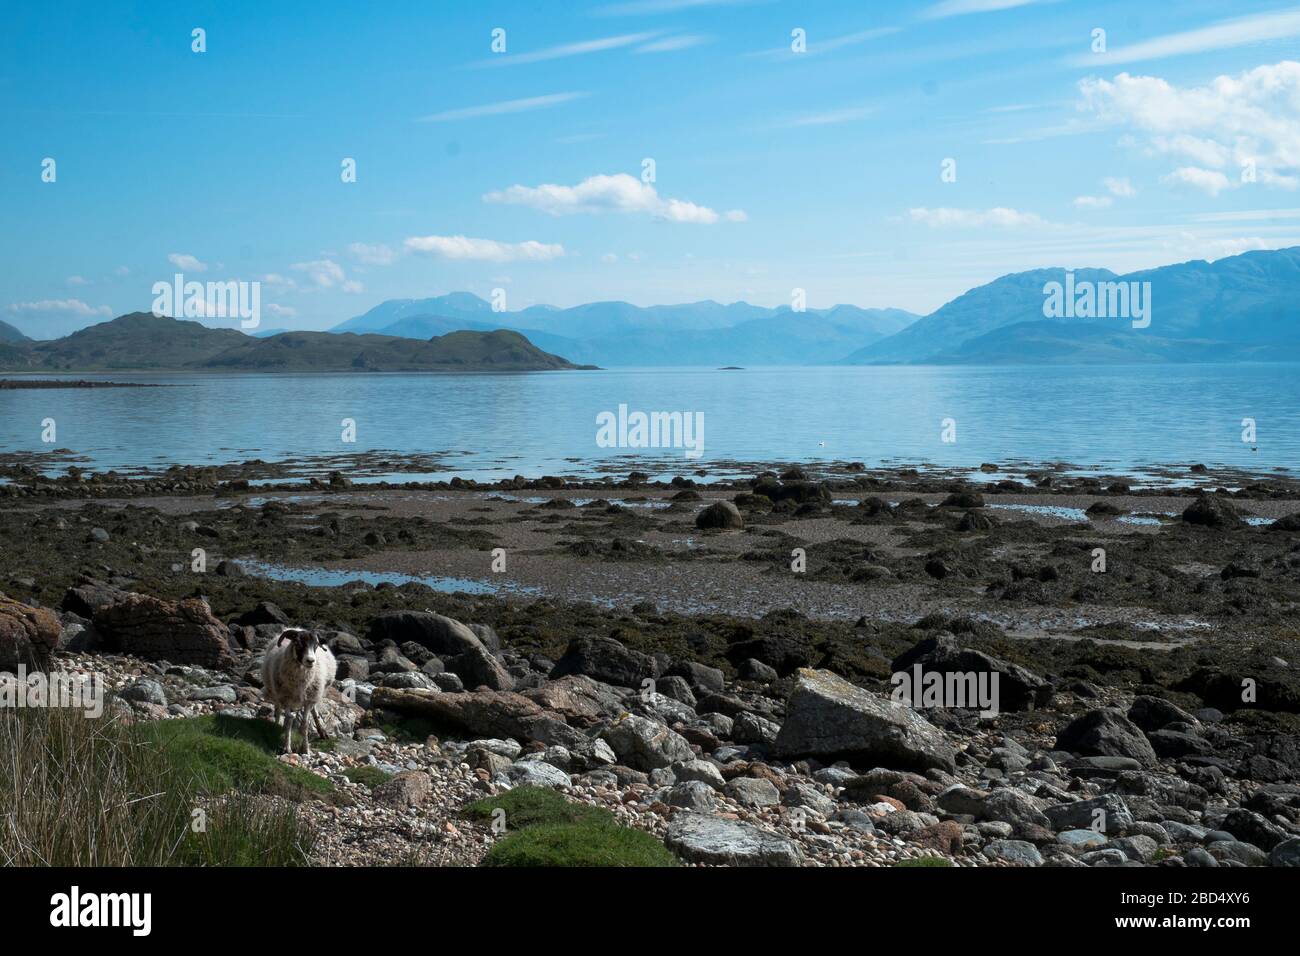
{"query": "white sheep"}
(296, 672)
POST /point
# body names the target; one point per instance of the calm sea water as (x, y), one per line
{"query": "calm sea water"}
(1119, 418)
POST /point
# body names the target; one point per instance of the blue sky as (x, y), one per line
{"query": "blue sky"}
(522, 170)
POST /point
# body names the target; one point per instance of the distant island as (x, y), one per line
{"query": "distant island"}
(141, 341)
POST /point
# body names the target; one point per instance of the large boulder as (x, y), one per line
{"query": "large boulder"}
(645, 744)
(1106, 733)
(721, 514)
(478, 668)
(1213, 511)
(27, 635)
(700, 838)
(580, 700)
(830, 719)
(605, 659)
(482, 713)
(90, 595)
(180, 632)
(439, 633)
(1016, 688)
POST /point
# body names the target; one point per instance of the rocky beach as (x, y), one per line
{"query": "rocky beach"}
(710, 663)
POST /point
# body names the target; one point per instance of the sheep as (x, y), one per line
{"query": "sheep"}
(296, 672)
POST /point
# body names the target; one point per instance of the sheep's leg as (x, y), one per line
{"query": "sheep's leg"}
(320, 727)
(306, 731)
(288, 732)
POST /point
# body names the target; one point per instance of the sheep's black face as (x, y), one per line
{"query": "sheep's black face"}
(305, 646)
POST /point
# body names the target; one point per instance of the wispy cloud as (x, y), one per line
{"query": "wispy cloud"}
(483, 250)
(505, 106)
(375, 255)
(830, 117)
(564, 50)
(673, 43)
(946, 217)
(958, 8)
(816, 46)
(1223, 35)
(326, 274)
(186, 262)
(67, 306)
(619, 193)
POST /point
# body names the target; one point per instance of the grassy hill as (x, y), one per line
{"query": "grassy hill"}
(144, 341)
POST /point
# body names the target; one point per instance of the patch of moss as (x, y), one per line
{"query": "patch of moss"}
(578, 844)
(220, 753)
(370, 776)
(545, 829)
(536, 806)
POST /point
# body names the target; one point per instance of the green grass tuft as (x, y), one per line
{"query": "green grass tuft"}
(578, 844)
(545, 829)
(79, 791)
(368, 775)
(221, 753)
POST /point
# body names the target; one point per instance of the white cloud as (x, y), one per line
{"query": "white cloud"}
(1092, 202)
(484, 250)
(1120, 186)
(324, 273)
(186, 262)
(831, 117)
(1251, 120)
(609, 257)
(505, 106)
(353, 287)
(957, 8)
(638, 7)
(944, 217)
(672, 44)
(121, 271)
(281, 311)
(376, 255)
(280, 281)
(565, 50)
(72, 306)
(78, 280)
(1218, 36)
(619, 193)
(1207, 180)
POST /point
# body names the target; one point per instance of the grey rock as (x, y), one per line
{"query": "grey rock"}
(223, 693)
(644, 744)
(1106, 733)
(145, 690)
(1115, 817)
(700, 770)
(536, 773)
(1014, 851)
(692, 795)
(700, 838)
(826, 716)
(753, 792)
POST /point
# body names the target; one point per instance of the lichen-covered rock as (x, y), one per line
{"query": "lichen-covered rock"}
(27, 635)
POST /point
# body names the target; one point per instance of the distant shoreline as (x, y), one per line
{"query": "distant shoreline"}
(78, 383)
